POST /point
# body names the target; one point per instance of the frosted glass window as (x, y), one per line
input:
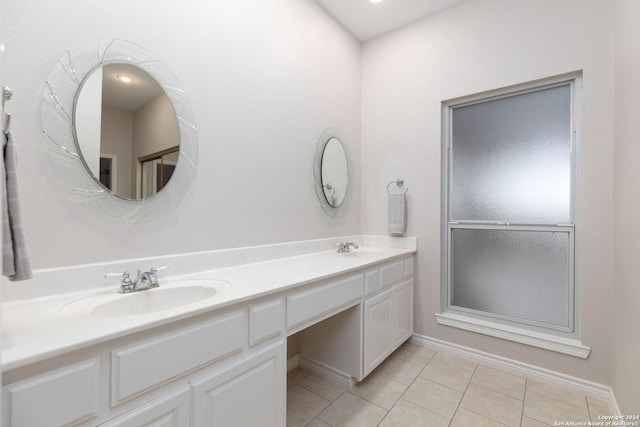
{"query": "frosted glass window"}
(511, 158)
(518, 274)
(509, 183)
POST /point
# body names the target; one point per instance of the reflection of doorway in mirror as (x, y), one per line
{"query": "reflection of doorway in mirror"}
(156, 170)
(109, 171)
(163, 174)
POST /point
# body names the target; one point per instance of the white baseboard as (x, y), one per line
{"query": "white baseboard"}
(325, 371)
(588, 387)
(293, 363)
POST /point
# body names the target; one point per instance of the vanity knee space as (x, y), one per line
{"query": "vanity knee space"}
(358, 334)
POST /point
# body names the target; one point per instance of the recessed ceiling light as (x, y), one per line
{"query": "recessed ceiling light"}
(124, 78)
(375, 1)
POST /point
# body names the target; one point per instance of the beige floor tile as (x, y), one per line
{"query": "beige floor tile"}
(598, 407)
(400, 370)
(493, 405)
(295, 375)
(378, 389)
(434, 397)
(501, 381)
(529, 422)
(548, 408)
(465, 418)
(557, 391)
(317, 423)
(460, 362)
(351, 411)
(407, 414)
(414, 354)
(303, 406)
(447, 374)
(323, 387)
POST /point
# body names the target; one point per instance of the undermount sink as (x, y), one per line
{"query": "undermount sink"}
(168, 296)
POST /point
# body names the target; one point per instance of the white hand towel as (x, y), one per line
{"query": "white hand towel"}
(397, 213)
(15, 260)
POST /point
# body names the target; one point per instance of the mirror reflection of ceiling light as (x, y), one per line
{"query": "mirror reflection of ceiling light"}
(124, 78)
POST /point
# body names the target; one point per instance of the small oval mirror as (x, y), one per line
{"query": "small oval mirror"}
(126, 130)
(334, 172)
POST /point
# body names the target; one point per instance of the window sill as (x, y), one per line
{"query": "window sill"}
(570, 346)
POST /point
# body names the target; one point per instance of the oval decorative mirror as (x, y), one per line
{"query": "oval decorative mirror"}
(120, 129)
(332, 172)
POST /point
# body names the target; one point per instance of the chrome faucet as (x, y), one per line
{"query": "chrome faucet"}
(145, 280)
(344, 247)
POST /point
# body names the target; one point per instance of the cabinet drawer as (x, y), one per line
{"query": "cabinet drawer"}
(140, 367)
(306, 305)
(64, 396)
(371, 281)
(265, 321)
(408, 267)
(391, 273)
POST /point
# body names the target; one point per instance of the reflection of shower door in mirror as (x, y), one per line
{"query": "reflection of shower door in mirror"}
(108, 171)
(156, 170)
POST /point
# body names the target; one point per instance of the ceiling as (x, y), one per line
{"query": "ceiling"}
(367, 21)
(127, 96)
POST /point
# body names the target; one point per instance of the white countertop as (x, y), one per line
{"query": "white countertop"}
(36, 329)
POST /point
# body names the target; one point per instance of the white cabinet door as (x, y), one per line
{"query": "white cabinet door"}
(403, 307)
(172, 410)
(249, 393)
(378, 329)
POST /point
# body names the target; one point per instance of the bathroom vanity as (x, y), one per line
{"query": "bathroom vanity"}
(219, 361)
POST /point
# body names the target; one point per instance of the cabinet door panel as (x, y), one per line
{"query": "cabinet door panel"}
(169, 411)
(378, 329)
(403, 306)
(251, 393)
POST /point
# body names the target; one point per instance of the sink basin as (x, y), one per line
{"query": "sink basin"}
(364, 252)
(168, 296)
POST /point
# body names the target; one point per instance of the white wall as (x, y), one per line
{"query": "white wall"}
(155, 127)
(626, 295)
(470, 48)
(265, 78)
(116, 139)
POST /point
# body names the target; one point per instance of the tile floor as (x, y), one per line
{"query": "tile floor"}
(417, 387)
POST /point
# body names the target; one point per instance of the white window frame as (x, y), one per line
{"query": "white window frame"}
(552, 337)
